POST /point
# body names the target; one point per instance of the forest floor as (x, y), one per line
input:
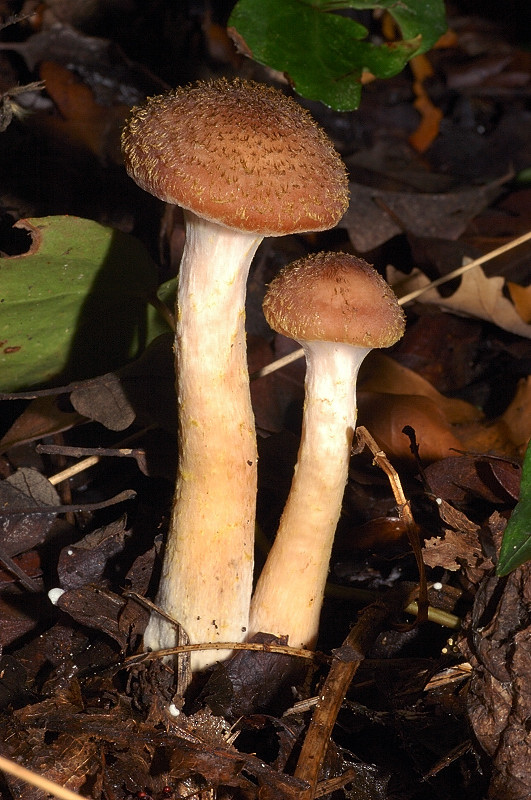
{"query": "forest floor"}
(410, 708)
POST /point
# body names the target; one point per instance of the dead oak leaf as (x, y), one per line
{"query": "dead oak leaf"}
(477, 296)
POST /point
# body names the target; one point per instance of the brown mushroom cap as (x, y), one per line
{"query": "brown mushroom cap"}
(334, 297)
(238, 153)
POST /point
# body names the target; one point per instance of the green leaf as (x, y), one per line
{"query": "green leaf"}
(322, 53)
(425, 18)
(74, 306)
(156, 323)
(516, 543)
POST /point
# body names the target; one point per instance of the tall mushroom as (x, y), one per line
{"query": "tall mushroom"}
(244, 162)
(338, 308)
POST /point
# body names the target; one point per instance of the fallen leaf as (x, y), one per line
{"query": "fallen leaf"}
(477, 296)
(521, 297)
(496, 642)
(143, 389)
(517, 416)
(18, 618)
(381, 373)
(83, 120)
(42, 417)
(386, 415)
(375, 215)
(460, 479)
(452, 550)
(97, 609)
(85, 561)
(103, 399)
(26, 489)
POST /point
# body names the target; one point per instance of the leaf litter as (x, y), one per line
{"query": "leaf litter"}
(76, 706)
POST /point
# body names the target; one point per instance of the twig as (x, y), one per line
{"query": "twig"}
(121, 497)
(365, 439)
(456, 273)
(96, 454)
(50, 787)
(283, 649)
(344, 666)
(436, 615)
(11, 566)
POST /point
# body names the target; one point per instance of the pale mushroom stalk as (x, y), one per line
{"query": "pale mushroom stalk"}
(338, 308)
(243, 161)
(213, 509)
(297, 567)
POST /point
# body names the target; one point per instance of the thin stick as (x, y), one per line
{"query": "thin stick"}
(283, 649)
(121, 497)
(296, 354)
(344, 666)
(91, 460)
(74, 469)
(465, 267)
(380, 459)
(50, 787)
(280, 362)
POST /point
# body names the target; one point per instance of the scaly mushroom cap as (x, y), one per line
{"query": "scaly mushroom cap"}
(334, 297)
(238, 153)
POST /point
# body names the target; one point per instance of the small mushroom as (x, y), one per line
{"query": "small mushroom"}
(338, 308)
(244, 162)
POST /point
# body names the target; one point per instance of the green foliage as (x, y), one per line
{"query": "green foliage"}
(323, 53)
(75, 305)
(516, 543)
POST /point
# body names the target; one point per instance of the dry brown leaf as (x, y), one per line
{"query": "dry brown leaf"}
(521, 297)
(385, 416)
(376, 215)
(493, 436)
(380, 373)
(42, 417)
(517, 416)
(83, 120)
(478, 296)
(508, 434)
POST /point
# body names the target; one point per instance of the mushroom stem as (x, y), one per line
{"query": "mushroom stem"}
(289, 592)
(212, 521)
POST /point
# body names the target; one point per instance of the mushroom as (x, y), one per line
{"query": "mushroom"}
(338, 308)
(244, 161)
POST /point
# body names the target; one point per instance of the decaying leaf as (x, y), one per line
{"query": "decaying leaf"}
(376, 215)
(497, 644)
(82, 119)
(381, 373)
(386, 416)
(521, 297)
(42, 417)
(517, 416)
(85, 561)
(103, 399)
(143, 389)
(26, 490)
(461, 479)
(458, 547)
(96, 608)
